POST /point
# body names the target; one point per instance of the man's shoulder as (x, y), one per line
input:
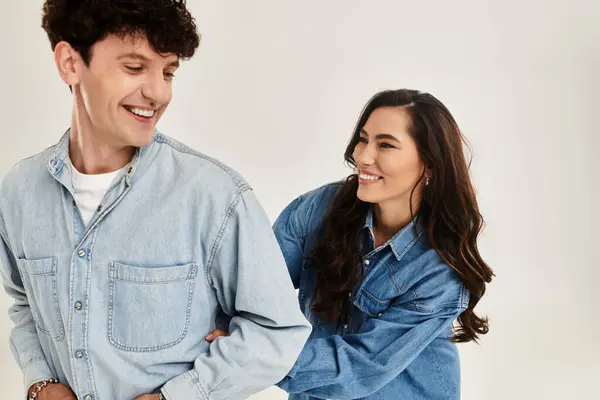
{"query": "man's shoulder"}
(25, 173)
(193, 164)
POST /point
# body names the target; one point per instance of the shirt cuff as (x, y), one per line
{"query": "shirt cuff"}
(35, 371)
(184, 387)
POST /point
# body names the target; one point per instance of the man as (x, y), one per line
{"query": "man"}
(121, 246)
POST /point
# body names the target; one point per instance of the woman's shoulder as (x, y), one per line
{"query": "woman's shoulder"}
(309, 208)
(323, 194)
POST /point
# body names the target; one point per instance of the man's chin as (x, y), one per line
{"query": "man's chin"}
(140, 139)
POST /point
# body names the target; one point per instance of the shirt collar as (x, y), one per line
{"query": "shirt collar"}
(60, 157)
(403, 240)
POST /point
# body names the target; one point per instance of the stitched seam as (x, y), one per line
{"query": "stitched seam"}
(199, 387)
(33, 360)
(55, 316)
(123, 276)
(393, 278)
(139, 349)
(180, 147)
(58, 319)
(293, 211)
(222, 229)
(464, 300)
(41, 153)
(409, 245)
(91, 379)
(368, 294)
(364, 292)
(33, 316)
(152, 281)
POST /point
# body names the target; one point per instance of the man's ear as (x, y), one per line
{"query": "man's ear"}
(68, 62)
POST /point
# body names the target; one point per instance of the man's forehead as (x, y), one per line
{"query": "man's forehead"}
(137, 46)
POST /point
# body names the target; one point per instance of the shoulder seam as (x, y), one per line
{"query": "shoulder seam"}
(217, 244)
(29, 158)
(182, 148)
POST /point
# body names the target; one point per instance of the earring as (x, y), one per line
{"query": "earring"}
(427, 181)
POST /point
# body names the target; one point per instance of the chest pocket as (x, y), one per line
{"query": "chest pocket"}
(39, 280)
(369, 304)
(375, 295)
(149, 308)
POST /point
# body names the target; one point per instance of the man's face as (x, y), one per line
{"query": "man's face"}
(125, 90)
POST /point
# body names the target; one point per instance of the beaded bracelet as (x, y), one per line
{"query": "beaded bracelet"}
(40, 386)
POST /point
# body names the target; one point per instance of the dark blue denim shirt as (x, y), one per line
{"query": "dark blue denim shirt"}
(396, 344)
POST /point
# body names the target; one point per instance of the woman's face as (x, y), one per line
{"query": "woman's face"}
(387, 159)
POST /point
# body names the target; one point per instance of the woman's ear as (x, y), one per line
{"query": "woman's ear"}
(427, 176)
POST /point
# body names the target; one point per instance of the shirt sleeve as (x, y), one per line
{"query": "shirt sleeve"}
(267, 329)
(357, 365)
(24, 341)
(291, 236)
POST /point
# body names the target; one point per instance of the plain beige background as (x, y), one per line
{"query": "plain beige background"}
(276, 88)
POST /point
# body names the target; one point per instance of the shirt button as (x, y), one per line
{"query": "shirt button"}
(366, 262)
(380, 314)
(78, 305)
(81, 253)
(79, 354)
(87, 397)
(345, 326)
(350, 294)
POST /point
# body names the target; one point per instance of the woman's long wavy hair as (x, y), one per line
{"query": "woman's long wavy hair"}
(448, 210)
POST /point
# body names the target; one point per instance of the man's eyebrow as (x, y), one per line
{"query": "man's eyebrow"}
(134, 55)
(141, 57)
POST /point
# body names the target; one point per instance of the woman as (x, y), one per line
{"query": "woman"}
(387, 261)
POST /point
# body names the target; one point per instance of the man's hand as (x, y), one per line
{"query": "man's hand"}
(148, 397)
(215, 334)
(55, 391)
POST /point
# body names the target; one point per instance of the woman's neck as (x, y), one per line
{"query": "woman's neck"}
(389, 219)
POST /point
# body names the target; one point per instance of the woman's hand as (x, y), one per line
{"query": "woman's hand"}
(215, 334)
(209, 338)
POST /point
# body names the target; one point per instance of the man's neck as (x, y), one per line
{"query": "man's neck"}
(91, 153)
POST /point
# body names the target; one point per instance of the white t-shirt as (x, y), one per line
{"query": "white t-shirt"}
(89, 190)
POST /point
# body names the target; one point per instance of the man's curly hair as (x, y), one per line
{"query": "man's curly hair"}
(167, 24)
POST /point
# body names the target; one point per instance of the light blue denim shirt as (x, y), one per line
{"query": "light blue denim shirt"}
(121, 308)
(396, 344)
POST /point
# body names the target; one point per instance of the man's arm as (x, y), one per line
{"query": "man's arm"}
(24, 341)
(267, 329)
